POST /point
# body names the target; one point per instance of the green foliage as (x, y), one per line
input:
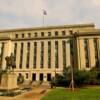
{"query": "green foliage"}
(81, 77)
(62, 80)
(81, 94)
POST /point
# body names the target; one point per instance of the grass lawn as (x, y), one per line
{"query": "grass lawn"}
(92, 93)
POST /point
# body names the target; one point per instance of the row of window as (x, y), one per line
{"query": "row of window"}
(41, 76)
(41, 54)
(87, 52)
(42, 34)
(86, 48)
(86, 44)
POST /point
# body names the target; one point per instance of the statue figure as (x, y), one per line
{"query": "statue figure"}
(10, 62)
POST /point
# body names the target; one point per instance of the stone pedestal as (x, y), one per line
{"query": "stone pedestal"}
(8, 81)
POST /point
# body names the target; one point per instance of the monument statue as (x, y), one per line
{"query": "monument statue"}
(9, 80)
(10, 62)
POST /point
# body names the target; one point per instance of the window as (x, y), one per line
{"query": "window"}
(49, 33)
(41, 77)
(63, 33)
(35, 54)
(56, 33)
(86, 52)
(56, 54)
(42, 34)
(21, 56)
(16, 35)
(49, 54)
(35, 34)
(22, 35)
(64, 53)
(48, 77)
(34, 77)
(29, 35)
(15, 50)
(28, 55)
(96, 52)
(42, 54)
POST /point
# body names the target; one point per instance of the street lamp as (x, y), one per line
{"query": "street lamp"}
(72, 44)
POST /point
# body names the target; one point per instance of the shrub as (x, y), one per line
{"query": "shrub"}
(20, 79)
(81, 77)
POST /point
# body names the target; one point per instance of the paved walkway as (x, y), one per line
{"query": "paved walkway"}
(36, 94)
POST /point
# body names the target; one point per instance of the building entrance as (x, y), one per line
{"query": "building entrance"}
(48, 77)
(33, 77)
(41, 77)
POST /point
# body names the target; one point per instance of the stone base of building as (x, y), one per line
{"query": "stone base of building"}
(9, 82)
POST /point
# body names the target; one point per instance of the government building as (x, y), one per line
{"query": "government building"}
(42, 52)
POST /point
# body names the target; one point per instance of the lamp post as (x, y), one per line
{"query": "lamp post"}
(72, 43)
(0, 62)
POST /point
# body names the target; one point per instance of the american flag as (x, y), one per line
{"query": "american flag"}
(44, 12)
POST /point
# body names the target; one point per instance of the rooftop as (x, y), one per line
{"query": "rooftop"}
(50, 27)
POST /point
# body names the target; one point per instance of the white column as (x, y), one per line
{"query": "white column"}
(18, 55)
(7, 52)
(37, 76)
(24, 55)
(31, 55)
(60, 55)
(53, 55)
(8, 47)
(82, 54)
(68, 62)
(92, 52)
(38, 55)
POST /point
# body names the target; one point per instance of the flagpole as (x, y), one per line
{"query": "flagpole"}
(44, 14)
(43, 20)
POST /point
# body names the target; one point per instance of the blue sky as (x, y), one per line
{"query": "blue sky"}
(29, 13)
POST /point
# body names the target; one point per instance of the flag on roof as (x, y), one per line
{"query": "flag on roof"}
(44, 12)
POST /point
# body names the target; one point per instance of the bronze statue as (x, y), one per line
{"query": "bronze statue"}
(10, 62)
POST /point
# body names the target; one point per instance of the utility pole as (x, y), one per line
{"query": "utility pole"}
(73, 38)
(72, 78)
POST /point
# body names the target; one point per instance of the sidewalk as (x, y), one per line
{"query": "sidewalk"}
(36, 94)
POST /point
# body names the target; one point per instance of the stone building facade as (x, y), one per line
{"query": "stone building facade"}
(42, 52)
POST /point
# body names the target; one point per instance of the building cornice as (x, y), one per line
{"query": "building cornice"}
(5, 38)
(88, 32)
(49, 27)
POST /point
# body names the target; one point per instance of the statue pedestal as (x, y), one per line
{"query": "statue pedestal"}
(8, 82)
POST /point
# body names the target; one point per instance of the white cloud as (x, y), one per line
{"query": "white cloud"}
(22, 7)
(28, 13)
(96, 2)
